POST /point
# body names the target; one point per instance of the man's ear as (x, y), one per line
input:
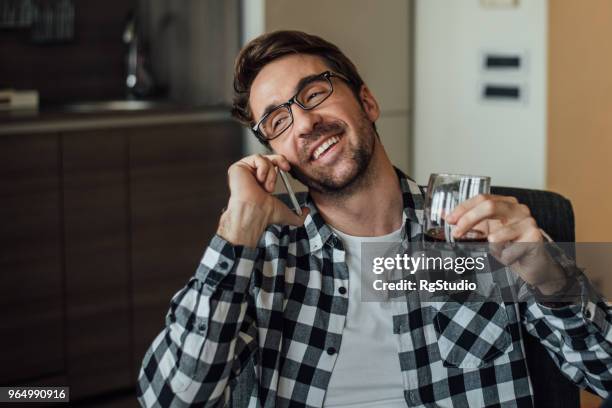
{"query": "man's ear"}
(369, 103)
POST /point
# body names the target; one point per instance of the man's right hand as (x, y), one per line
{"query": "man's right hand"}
(252, 207)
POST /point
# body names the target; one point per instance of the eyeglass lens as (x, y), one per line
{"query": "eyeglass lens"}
(309, 97)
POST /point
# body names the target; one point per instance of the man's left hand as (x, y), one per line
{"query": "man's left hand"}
(515, 235)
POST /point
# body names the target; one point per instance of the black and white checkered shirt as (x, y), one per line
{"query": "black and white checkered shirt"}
(285, 303)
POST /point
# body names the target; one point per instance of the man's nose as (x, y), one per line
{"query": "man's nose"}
(305, 121)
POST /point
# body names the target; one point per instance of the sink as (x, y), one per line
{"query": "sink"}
(116, 105)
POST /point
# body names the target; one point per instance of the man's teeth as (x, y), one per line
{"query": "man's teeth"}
(321, 149)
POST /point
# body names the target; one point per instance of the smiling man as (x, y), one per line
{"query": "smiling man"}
(284, 289)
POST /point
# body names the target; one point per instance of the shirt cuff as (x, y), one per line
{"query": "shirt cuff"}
(580, 308)
(587, 316)
(227, 265)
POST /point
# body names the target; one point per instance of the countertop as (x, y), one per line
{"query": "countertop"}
(106, 114)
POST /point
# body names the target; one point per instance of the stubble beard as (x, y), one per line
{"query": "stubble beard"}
(356, 177)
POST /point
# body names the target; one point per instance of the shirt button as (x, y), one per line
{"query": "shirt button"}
(342, 290)
(587, 314)
(334, 241)
(331, 350)
(202, 327)
(223, 265)
(413, 397)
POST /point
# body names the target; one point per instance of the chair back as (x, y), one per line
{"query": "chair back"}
(554, 214)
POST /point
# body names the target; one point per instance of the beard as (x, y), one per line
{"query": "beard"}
(357, 160)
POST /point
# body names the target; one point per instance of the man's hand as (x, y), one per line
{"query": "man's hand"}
(517, 240)
(251, 207)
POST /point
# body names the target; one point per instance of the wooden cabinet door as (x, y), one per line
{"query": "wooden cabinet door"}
(97, 261)
(178, 176)
(31, 328)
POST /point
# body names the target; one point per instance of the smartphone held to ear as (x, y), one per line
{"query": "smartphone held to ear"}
(292, 197)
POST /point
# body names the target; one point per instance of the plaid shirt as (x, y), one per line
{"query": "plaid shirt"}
(285, 303)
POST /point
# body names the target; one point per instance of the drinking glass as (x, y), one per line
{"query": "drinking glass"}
(444, 193)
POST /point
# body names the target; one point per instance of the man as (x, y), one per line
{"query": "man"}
(284, 289)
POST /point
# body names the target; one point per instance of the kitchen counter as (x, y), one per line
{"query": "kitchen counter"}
(105, 115)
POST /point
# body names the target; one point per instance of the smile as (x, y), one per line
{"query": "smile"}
(325, 146)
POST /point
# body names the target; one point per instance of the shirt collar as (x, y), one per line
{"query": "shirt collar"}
(413, 197)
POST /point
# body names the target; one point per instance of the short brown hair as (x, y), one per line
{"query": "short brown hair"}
(271, 46)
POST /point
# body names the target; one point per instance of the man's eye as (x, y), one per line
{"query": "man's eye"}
(278, 122)
(313, 95)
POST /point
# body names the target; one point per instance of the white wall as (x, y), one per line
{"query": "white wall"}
(455, 130)
(253, 21)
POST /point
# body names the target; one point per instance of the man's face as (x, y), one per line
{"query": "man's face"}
(342, 121)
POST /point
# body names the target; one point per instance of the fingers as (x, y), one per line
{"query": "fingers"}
(280, 161)
(271, 180)
(276, 159)
(529, 260)
(467, 205)
(266, 173)
(510, 243)
(486, 207)
(264, 168)
(525, 230)
(509, 253)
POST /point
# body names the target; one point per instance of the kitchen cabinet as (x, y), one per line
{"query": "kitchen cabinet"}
(178, 186)
(96, 247)
(100, 227)
(31, 261)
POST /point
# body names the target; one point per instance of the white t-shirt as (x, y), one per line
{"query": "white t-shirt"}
(367, 371)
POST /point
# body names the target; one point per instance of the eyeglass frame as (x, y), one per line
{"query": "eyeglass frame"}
(293, 100)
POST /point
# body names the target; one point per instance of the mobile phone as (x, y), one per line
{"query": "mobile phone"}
(292, 196)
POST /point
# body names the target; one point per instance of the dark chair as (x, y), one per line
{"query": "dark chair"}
(554, 215)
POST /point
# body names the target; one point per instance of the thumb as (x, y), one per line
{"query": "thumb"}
(285, 216)
(300, 219)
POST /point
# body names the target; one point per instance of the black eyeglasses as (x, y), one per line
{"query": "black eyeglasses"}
(312, 93)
